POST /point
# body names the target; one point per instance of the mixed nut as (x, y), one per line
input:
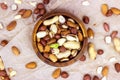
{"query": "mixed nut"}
(59, 38)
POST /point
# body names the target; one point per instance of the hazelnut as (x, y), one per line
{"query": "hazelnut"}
(3, 43)
(4, 6)
(46, 1)
(36, 11)
(85, 19)
(96, 78)
(100, 51)
(64, 74)
(83, 58)
(42, 11)
(40, 5)
(87, 77)
(62, 49)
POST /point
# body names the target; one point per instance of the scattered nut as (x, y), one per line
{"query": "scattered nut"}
(85, 3)
(4, 43)
(109, 13)
(105, 71)
(117, 67)
(56, 73)
(114, 34)
(90, 33)
(36, 11)
(31, 65)
(83, 58)
(11, 25)
(12, 72)
(116, 42)
(4, 6)
(42, 11)
(2, 67)
(3, 73)
(112, 59)
(53, 58)
(87, 77)
(99, 69)
(85, 19)
(104, 9)
(27, 13)
(96, 78)
(64, 74)
(106, 27)
(40, 5)
(14, 7)
(115, 10)
(104, 78)
(100, 51)
(15, 50)
(33, 3)
(92, 52)
(1, 25)
(108, 39)
(17, 16)
(46, 1)
(18, 1)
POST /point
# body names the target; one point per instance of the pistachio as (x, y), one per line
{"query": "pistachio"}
(11, 25)
(31, 65)
(55, 45)
(41, 34)
(75, 45)
(53, 57)
(15, 50)
(56, 73)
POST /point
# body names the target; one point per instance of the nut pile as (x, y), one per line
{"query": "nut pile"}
(59, 38)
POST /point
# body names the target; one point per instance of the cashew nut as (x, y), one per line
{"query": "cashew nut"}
(51, 21)
(53, 28)
(63, 54)
(41, 34)
(91, 51)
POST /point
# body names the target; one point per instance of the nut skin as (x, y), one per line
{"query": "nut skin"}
(36, 11)
(83, 58)
(96, 78)
(46, 1)
(40, 6)
(85, 19)
(42, 11)
(100, 51)
(64, 74)
(4, 6)
(117, 67)
(62, 49)
(43, 42)
(87, 77)
(109, 13)
(42, 28)
(73, 31)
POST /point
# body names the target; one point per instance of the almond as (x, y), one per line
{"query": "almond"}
(15, 50)
(40, 47)
(105, 71)
(71, 24)
(104, 9)
(90, 33)
(115, 10)
(56, 73)
(11, 25)
(53, 58)
(31, 65)
(47, 48)
(80, 36)
(27, 13)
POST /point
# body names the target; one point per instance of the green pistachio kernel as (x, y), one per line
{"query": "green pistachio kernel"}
(55, 45)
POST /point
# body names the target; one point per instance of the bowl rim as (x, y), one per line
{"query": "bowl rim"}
(34, 40)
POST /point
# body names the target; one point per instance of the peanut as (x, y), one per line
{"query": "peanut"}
(104, 9)
(31, 65)
(115, 10)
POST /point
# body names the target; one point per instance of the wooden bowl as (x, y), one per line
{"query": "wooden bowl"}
(59, 64)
